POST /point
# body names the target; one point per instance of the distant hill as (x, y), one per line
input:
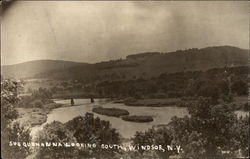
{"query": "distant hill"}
(144, 65)
(34, 68)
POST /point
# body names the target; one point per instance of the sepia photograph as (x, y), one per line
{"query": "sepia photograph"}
(124, 79)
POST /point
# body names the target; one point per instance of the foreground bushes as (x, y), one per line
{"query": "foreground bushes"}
(82, 129)
(12, 130)
(209, 131)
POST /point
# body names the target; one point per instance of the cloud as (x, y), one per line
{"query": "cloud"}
(97, 31)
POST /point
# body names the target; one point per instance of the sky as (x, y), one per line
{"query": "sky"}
(91, 32)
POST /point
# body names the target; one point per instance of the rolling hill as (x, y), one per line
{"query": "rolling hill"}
(34, 68)
(145, 65)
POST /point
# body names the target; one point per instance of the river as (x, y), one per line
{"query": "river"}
(161, 115)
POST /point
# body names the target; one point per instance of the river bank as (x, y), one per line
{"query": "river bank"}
(239, 103)
(127, 129)
(65, 112)
(31, 116)
(161, 115)
(161, 102)
(36, 116)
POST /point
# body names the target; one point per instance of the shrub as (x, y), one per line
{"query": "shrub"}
(56, 132)
(37, 104)
(87, 129)
(11, 131)
(240, 87)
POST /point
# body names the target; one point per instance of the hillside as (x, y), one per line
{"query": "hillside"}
(144, 65)
(35, 68)
(150, 64)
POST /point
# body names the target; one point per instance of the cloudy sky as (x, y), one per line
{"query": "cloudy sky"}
(98, 31)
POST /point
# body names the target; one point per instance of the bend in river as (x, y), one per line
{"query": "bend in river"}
(161, 115)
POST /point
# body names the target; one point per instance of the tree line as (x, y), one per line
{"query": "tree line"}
(217, 82)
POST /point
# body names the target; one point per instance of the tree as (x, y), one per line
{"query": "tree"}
(16, 133)
(64, 84)
(240, 135)
(37, 99)
(160, 136)
(223, 85)
(37, 104)
(208, 130)
(143, 138)
(43, 94)
(12, 131)
(9, 97)
(57, 133)
(209, 91)
(87, 129)
(240, 87)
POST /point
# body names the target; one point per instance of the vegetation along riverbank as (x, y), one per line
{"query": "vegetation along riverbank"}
(33, 108)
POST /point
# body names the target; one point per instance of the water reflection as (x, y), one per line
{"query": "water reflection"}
(161, 115)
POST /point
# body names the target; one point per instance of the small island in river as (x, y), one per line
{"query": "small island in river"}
(137, 118)
(116, 112)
